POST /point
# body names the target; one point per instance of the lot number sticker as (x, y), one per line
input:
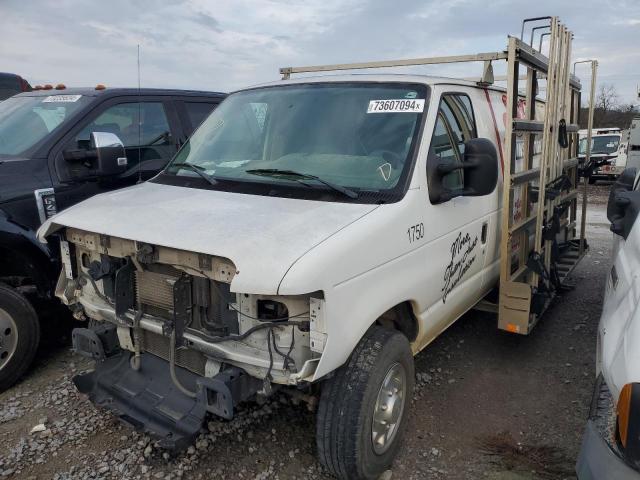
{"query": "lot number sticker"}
(396, 106)
(61, 99)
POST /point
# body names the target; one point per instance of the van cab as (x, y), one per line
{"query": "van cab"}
(309, 230)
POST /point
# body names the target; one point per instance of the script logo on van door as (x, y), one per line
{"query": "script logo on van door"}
(462, 258)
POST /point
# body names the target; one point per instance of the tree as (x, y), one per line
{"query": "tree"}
(608, 111)
(607, 98)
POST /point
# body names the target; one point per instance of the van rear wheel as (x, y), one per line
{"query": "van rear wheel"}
(19, 335)
(364, 406)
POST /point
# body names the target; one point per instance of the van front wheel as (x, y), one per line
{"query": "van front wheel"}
(364, 407)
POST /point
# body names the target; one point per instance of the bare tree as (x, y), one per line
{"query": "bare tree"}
(606, 102)
(607, 98)
(609, 111)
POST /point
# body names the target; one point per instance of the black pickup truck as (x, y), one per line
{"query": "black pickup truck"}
(53, 155)
(10, 84)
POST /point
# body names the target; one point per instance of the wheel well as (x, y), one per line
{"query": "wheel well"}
(19, 269)
(401, 318)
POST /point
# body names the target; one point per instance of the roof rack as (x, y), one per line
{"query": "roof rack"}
(527, 52)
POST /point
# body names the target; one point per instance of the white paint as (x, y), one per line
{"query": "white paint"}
(619, 330)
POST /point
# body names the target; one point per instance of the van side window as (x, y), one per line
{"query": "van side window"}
(455, 125)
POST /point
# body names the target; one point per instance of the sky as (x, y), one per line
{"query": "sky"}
(224, 45)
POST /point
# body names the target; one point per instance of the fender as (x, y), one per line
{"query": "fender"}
(22, 255)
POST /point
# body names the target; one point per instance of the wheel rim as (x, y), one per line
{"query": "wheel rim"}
(389, 408)
(8, 337)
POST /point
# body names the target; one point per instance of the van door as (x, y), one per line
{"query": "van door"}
(459, 226)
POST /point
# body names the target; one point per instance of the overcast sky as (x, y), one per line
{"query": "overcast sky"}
(228, 44)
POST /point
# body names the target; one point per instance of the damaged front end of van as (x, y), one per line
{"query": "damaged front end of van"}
(170, 340)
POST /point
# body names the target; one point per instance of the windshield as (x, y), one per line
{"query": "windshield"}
(24, 121)
(604, 144)
(338, 138)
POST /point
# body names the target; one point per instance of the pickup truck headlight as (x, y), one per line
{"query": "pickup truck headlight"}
(628, 423)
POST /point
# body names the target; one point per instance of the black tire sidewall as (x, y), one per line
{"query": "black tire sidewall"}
(395, 350)
(28, 327)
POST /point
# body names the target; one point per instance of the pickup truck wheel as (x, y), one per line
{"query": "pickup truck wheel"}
(363, 408)
(19, 335)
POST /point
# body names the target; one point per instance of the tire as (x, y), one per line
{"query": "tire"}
(19, 335)
(345, 419)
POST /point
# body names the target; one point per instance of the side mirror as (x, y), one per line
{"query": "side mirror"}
(624, 203)
(110, 154)
(480, 166)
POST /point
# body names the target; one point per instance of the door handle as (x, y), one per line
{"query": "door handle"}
(485, 229)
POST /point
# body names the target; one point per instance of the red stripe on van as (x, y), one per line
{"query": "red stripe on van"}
(495, 126)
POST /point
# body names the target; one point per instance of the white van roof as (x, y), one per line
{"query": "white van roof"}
(600, 131)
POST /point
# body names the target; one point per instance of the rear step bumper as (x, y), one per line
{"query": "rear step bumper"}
(148, 399)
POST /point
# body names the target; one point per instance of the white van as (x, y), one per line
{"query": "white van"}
(634, 144)
(314, 233)
(611, 442)
(608, 149)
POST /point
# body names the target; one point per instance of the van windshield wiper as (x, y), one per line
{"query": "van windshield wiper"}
(197, 169)
(300, 177)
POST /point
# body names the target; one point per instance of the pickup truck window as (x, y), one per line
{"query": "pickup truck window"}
(122, 119)
(152, 143)
(198, 111)
(25, 121)
(454, 126)
(359, 136)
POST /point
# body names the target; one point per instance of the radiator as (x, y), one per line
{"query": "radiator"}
(158, 345)
(155, 289)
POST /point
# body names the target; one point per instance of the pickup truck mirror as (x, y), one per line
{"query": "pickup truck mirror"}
(480, 167)
(624, 204)
(110, 153)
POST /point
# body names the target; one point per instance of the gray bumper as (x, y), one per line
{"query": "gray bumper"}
(598, 462)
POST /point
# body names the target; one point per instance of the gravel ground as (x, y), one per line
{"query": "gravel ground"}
(487, 404)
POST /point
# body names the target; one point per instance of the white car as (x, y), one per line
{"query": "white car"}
(611, 444)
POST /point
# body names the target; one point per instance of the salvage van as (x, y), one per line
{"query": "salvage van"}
(316, 233)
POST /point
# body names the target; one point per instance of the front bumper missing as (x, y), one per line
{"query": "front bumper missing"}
(148, 400)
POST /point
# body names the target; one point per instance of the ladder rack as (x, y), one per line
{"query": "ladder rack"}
(539, 244)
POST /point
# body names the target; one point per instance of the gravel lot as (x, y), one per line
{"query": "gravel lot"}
(487, 405)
